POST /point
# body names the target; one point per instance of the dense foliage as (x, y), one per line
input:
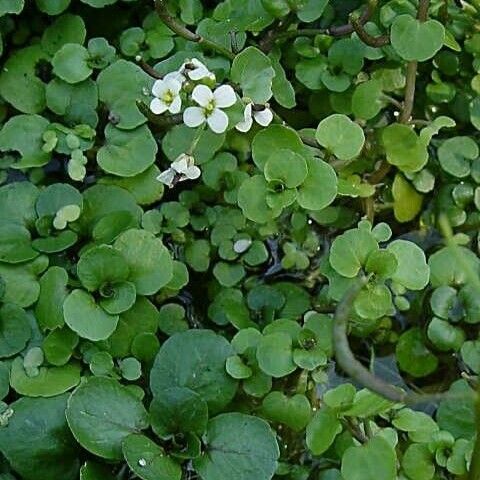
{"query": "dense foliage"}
(239, 239)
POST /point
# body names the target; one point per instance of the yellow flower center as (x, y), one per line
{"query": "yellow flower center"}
(210, 107)
(168, 97)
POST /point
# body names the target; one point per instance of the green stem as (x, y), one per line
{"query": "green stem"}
(195, 140)
(352, 367)
(182, 31)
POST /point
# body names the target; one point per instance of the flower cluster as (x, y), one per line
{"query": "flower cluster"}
(204, 106)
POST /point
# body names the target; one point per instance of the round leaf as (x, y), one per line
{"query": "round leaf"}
(204, 372)
(150, 263)
(339, 135)
(86, 318)
(101, 413)
(127, 153)
(238, 445)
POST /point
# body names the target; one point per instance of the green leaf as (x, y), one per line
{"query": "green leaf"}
(118, 297)
(120, 86)
(419, 425)
(65, 29)
(286, 167)
(311, 10)
(20, 281)
(322, 430)
(228, 274)
(101, 266)
(48, 382)
(418, 462)
(127, 153)
(413, 39)
(367, 99)
(15, 329)
(52, 7)
(375, 459)
(237, 369)
(70, 63)
(252, 200)
(446, 270)
(351, 250)
(179, 139)
(19, 84)
(339, 135)
(24, 134)
(149, 461)
(150, 263)
(407, 202)
(11, 6)
(456, 154)
(403, 148)
(178, 410)
(101, 413)
(86, 318)
(319, 174)
(456, 414)
(237, 445)
(282, 137)
(412, 270)
(275, 355)
(58, 346)
(445, 336)
(204, 372)
(295, 412)
(253, 71)
(413, 356)
(37, 442)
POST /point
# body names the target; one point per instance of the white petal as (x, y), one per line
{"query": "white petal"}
(167, 176)
(176, 105)
(202, 95)
(158, 106)
(197, 63)
(218, 121)
(200, 71)
(193, 172)
(224, 96)
(178, 76)
(159, 88)
(173, 85)
(193, 116)
(180, 165)
(244, 126)
(263, 117)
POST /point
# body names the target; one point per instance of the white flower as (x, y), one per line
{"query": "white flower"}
(167, 96)
(262, 117)
(210, 107)
(183, 168)
(196, 70)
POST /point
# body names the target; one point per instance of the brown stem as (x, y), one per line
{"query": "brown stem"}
(184, 32)
(365, 37)
(148, 69)
(355, 430)
(411, 78)
(160, 121)
(352, 367)
(338, 31)
(347, 29)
